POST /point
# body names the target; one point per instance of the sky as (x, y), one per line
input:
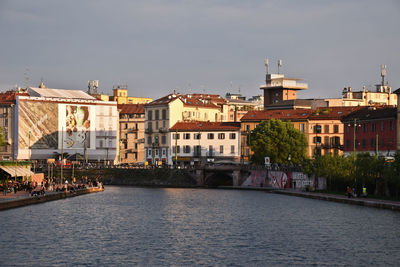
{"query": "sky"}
(199, 46)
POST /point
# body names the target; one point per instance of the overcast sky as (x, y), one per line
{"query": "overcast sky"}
(198, 46)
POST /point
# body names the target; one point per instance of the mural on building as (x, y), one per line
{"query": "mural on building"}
(37, 125)
(77, 127)
(278, 179)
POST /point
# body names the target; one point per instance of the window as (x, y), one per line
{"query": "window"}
(364, 143)
(157, 114)
(391, 125)
(248, 127)
(164, 114)
(186, 149)
(317, 128)
(348, 143)
(176, 149)
(317, 139)
(163, 139)
(210, 150)
(163, 124)
(126, 126)
(197, 150)
(336, 128)
(156, 152)
(348, 129)
(125, 145)
(221, 136)
(221, 149)
(326, 141)
(101, 143)
(302, 127)
(382, 126)
(373, 142)
(175, 136)
(373, 127)
(149, 126)
(163, 152)
(210, 136)
(326, 129)
(150, 115)
(150, 154)
(197, 136)
(232, 149)
(149, 140)
(232, 136)
(186, 136)
(156, 125)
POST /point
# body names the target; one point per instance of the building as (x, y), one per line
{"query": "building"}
(131, 128)
(7, 114)
(120, 95)
(322, 127)
(47, 122)
(278, 88)
(163, 113)
(196, 143)
(372, 130)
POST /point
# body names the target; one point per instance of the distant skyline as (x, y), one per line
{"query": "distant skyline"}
(199, 46)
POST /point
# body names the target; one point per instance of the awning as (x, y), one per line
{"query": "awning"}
(17, 170)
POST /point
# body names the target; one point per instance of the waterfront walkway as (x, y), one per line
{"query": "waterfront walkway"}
(23, 198)
(367, 202)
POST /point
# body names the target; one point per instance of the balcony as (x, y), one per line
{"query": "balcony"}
(148, 131)
(163, 130)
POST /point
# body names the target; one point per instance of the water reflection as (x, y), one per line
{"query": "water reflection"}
(138, 226)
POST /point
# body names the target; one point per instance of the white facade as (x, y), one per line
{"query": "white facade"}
(47, 125)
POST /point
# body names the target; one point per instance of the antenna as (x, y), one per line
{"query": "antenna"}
(279, 65)
(266, 65)
(383, 73)
(26, 75)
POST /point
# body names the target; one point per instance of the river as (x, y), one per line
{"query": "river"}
(128, 226)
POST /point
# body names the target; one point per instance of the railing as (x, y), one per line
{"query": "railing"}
(163, 130)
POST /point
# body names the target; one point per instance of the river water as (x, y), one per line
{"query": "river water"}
(128, 226)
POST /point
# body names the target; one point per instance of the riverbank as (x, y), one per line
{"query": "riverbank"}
(21, 201)
(367, 202)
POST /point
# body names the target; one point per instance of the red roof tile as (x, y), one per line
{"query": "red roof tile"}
(197, 126)
(131, 108)
(281, 114)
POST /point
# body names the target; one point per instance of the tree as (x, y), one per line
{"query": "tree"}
(3, 142)
(278, 140)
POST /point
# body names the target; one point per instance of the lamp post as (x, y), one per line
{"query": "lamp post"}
(354, 135)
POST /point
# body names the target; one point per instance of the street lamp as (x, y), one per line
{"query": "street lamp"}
(354, 134)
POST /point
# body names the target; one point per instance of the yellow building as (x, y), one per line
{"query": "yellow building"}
(120, 95)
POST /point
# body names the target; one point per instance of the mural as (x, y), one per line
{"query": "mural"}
(37, 125)
(77, 127)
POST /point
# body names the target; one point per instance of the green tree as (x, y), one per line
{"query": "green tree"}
(3, 141)
(277, 139)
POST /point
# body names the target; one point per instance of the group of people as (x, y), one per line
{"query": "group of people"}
(351, 192)
(48, 184)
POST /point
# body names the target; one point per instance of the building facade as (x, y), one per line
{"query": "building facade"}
(163, 113)
(371, 130)
(131, 128)
(48, 122)
(196, 143)
(120, 95)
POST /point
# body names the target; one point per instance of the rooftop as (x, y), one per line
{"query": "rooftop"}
(59, 93)
(205, 126)
(131, 108)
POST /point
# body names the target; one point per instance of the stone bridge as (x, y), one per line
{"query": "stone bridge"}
(216, 175)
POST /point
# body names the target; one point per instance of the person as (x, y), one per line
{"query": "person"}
(364, 191)
(348, 192)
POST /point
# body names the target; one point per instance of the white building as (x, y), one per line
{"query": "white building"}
(51, 121)
(163, 113)
(196, 143)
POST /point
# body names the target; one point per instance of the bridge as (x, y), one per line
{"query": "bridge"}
(220, 174)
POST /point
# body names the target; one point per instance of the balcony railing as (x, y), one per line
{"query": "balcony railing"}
(149, 131)
(163, 130)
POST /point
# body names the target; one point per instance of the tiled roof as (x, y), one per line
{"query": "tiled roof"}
(299, 114)
(372, 113)
(131, 108)
(9, 97)
(282, 114)
(332, 113)
(205, 126)
(194, 100)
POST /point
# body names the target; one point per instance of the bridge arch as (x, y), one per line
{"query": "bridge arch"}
(218, 178)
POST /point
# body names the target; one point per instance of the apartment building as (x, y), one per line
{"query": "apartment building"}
(131, 128)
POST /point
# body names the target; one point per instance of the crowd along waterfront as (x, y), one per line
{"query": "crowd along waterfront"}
(126, 226)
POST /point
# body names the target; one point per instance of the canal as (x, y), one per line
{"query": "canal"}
(127, 226)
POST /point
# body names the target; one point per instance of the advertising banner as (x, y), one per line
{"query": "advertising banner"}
(37, 125)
